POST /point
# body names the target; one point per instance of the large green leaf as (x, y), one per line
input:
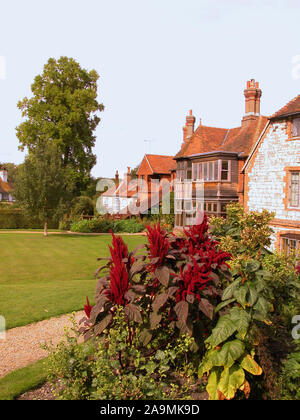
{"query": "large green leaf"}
(223, 330)
(252, 266)
(250, 365)
(223, 304)
(228, 292)
(212, 384)
(230, 352)
(240, 294)
(207, 363)
(231, 380)
(241, 319)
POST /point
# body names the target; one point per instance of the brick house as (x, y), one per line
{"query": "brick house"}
(272, 175)
(137, 196)
(211, 160)
(6, 188)
(152, 172)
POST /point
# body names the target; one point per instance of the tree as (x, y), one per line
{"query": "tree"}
(63, 110)
(42, 185)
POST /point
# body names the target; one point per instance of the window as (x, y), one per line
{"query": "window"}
(209, 171)
(290, 244)
(295, 189)
(224, 172)
(296, 127)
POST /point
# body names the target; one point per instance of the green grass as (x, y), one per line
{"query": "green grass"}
(43, 277)
(22, 380)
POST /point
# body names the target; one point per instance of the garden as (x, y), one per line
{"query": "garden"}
(206, 314)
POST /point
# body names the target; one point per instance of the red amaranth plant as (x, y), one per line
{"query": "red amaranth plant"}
(119, 272)
(88, 308)
(158, 246)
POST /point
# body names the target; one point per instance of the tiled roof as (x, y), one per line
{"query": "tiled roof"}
(159, 164)
(5, 187)
(236, 140)
(293, 107)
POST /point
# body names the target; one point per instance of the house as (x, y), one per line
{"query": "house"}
(121, 195)
(210, 162)
(153, 171)
(6, 188)
(272, 175)
(137, 196)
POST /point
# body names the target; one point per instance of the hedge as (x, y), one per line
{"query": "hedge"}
(105, 226)
(16, 219)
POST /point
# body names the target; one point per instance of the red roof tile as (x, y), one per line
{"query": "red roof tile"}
(292, 107)
(211, 139)
(5, 187)
(159, 164)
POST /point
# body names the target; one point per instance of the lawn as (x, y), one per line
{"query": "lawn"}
(43, 277)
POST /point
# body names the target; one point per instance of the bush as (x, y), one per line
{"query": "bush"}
(105, 226)
(290, 376)
(181, 294)
(15, 218)
(96, 371)
(82, 205)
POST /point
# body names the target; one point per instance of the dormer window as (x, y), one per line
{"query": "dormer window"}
(296, 127)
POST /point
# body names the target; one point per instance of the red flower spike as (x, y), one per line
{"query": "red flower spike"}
(119, 272)
(88, 308)
(158, 245)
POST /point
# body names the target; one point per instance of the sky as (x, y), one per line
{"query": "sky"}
(156, 59)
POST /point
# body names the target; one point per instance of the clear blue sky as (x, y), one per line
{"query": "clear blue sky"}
(156, 60)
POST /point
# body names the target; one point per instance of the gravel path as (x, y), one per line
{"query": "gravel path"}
(22, 344)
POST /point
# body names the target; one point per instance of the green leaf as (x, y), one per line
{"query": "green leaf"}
(241, 319)
(207, 363)
(250, 365)
(253, 296)
(212, 384)
(163, 275)
(230, 352)
(231, 380)
(223, 304)
(223, 330)
(252, 266)
(263, 306)
(228, 292)
(240, 294)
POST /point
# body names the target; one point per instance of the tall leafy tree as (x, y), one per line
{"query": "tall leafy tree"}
(63, 110)
(42, 185)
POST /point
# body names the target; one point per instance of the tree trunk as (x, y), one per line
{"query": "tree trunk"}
(45, 229)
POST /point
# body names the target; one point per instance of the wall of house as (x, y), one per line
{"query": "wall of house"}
(267, 177)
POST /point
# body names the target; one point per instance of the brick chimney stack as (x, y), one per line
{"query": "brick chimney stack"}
(189, 127)
(252, 100)
(128, 175)
(117, 179)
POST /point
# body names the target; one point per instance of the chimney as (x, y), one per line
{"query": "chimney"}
(128, 175)
(252, 100)
(117, 179)
(189, 127)
(3, 174)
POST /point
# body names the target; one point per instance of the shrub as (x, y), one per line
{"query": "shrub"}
(15, 218)
(290, 376)
(104, 226)
(82, 205)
